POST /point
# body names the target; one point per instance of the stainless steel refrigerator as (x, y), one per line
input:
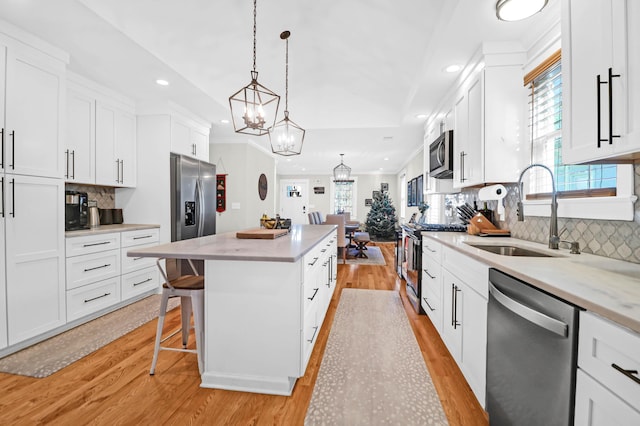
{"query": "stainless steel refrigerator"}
(193, 205)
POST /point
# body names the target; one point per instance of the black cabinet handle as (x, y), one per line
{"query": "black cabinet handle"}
(13, 149)
(425, 301)
(430, 276)
(122, 171)
(13, 198)
(142, 282)
(628, 373)
(66, 155)
(315, 291)
(599, 82)
(96, 244)
(2, 137)
(117, 170)
(96, 298)
(611, 77)
(454, 316)
(97, 267)
(143, 236)
(315, 331)
(462, 155)
(315, 259)
(2, 185)
(73, 164)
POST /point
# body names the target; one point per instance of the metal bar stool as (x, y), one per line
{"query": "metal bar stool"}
(190, 289)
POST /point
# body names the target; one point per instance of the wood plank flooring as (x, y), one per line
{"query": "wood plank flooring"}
(113, 386)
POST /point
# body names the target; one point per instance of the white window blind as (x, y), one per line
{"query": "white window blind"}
(545, 127)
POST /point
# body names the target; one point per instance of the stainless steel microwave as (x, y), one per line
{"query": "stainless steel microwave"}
(441, 156)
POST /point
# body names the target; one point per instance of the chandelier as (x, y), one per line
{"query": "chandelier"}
(341, 172)
(253, 105)
(286, 137)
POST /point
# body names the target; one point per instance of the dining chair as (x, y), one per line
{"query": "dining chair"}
(190, 289)
(339, 219)
(312, 218)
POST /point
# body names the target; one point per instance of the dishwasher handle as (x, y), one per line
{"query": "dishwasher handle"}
(531, 315)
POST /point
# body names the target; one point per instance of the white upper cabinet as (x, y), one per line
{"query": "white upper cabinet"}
(490, 120)
(601, 80)
(33, 87)
(115, 146)
(189, 138)
(80, 160)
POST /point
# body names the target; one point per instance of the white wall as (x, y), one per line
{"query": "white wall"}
(243, 163)
(413, 169)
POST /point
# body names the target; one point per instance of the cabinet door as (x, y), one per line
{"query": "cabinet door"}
(125, 130)
(451, 316)
(3, 282)
(34, 255)
(107, 164)
(473, 162)
(181, 138)
(473, 312)
(34, 107)
(80, 160)
(597, 406)
(3, 76)
(200, 142)
(460, 141)
(603, 36)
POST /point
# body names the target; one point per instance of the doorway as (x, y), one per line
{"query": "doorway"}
(294, 200)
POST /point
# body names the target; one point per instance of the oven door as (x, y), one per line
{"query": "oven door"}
(411, 264)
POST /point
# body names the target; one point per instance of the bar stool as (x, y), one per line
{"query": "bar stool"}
(190, 289)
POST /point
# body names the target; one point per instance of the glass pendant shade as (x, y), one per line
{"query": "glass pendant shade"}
(286, 137)
(254, 108)
(341, 172)
(516, 10)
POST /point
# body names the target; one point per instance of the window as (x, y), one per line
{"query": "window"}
(586, 191)
(344, 197)
(545, 129)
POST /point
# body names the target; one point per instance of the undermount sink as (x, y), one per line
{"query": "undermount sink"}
(505, 250)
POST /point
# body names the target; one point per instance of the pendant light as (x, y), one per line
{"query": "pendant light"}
(341, 172)
(516, 10)
(253, 105)
(286, 137)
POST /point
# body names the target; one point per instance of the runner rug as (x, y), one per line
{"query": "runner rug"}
(372, 372)
(51, 355)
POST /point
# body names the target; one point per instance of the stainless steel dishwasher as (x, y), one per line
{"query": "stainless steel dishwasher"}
(531, 354)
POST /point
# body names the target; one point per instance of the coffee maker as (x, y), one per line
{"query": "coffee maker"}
(76, 211)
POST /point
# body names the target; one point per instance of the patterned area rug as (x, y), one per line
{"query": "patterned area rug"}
(51, 355)
(372, 372)
(374, 257)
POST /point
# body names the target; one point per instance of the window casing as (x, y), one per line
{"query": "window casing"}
(344, 196)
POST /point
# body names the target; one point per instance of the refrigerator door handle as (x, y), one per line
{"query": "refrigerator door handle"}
(200, 207)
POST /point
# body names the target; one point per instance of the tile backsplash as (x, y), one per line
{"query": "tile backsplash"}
(105, 197)
(610, 238)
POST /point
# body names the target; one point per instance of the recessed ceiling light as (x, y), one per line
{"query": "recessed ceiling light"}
(453, 68)
(421, 116)
(288, 160)
(386, 158)
(224, 121)
(162, 82)
(381, 168)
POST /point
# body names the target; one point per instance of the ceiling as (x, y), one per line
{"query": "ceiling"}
(359, 70)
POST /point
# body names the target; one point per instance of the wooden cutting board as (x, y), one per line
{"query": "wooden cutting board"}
(487, 228)
(261, 234)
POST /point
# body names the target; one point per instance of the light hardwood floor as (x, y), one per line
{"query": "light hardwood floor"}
(113, 386)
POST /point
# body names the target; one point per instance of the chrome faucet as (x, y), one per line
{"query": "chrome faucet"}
(554, 239)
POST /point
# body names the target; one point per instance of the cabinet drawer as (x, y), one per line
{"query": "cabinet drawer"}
(139, 237)
(82, 270)
(77, 246)
(597, 406)
(473, 273)
(138, 282)
(432, 305)
(92, 298)
(432, 276)
(431, 249)
(130, 264)
(602, 344)
(310, 331)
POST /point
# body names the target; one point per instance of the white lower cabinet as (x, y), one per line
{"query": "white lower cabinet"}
(464, 324)
(101, 275)
(432, 282)
(34, 254)
(608, 386)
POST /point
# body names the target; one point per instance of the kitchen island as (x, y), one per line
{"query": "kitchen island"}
(265, 301)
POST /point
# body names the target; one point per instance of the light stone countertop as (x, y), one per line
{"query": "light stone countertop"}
(105, 229)
(608, 287)
(288, 248)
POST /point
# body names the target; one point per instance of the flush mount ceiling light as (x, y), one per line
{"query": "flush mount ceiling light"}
(341, 172)
(515, 10)
(162, 82)
(453, 68)
(286, 137)
(254, 104)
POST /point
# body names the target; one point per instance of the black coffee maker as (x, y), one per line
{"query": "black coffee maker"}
(76, 211)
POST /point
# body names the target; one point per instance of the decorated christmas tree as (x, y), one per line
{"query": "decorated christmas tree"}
(381, 219)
